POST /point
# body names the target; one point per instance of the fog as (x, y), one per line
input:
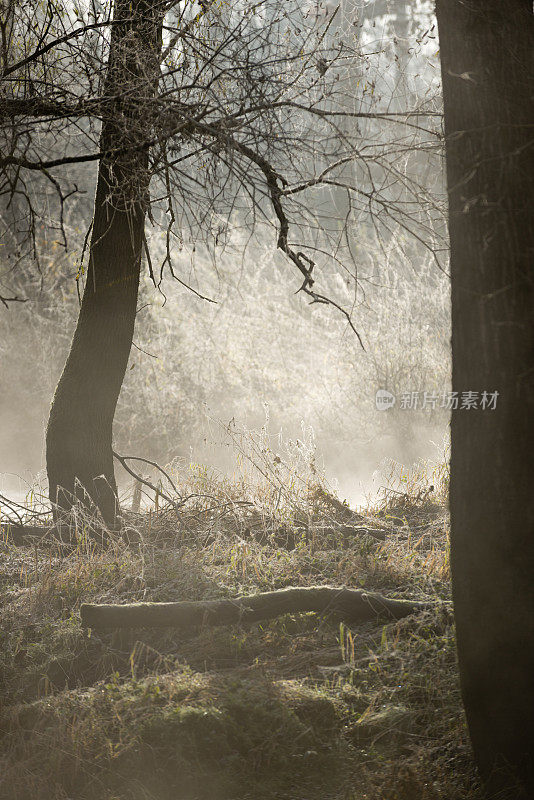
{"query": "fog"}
(261, 357)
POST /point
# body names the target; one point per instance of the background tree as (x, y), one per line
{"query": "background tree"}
(488, 86)
(79, 434)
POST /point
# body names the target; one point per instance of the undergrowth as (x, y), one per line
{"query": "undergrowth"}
(298, 707)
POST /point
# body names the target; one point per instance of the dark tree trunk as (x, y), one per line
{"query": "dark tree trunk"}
(487, 52)
(79, 434)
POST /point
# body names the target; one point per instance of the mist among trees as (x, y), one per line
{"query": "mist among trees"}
(265, 533)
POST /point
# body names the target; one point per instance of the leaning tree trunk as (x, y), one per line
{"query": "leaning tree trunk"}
(79, 434)
(487, 52)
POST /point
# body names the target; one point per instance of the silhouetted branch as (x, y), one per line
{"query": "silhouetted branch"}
(6, 300)
(157, 490)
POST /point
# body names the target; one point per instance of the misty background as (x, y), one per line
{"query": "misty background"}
(261, 356)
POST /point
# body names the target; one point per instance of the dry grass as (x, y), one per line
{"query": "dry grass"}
(299, 707)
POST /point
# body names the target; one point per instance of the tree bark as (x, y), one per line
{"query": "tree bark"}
(487, 54)
(353, 605)
(79, 434)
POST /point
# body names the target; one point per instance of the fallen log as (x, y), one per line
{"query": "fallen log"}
(351, 605)
(24, 534)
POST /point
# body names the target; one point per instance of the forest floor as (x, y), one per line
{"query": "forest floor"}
(301, 707)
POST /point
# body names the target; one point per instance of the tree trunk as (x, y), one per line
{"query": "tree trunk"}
(487, 53)
(79, 434)
(352, 605)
